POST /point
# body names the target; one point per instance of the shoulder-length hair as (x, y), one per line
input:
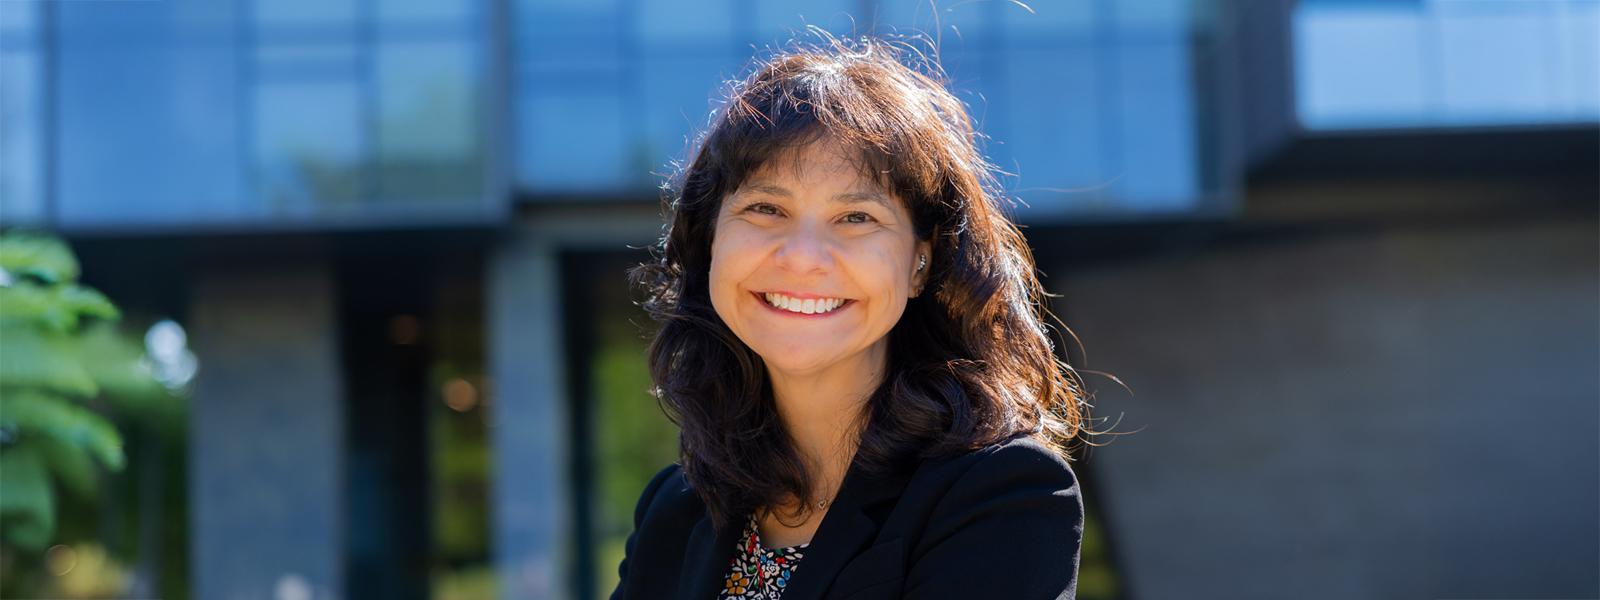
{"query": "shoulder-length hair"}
(970, 361)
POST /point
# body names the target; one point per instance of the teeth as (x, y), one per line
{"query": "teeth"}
(810, 306)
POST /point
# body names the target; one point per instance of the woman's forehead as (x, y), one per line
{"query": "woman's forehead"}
(818, 160)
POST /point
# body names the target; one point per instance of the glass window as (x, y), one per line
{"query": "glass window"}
(703, 22)
(19, 21)
(1151, 16)
(428, 122)
(573, 141)
(309, 150)
(1359, 67)
(166, 149)
(1494, 63)
(568, 36)
(21, 113)
(163, 22)
(950, 23)
(1069, 19)
(682, 92)
(1445, 63)
(270, 13)
(434, 11)
(331, 59)
(778, 21)
(1156, 157)
(1580, 42)
(1052, 143)
(967, 77)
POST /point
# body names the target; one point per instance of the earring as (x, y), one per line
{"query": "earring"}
(922, 261)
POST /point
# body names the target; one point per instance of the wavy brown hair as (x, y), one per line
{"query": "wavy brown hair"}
(971, 362)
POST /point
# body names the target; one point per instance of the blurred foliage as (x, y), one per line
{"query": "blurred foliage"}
(461, 473)
(67, 378)
(477, 583)
(1097, 574)
(634, 439)
(460, 460)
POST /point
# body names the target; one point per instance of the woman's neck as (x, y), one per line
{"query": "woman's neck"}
(821, 412)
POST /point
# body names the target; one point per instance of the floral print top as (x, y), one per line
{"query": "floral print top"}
(757, 572)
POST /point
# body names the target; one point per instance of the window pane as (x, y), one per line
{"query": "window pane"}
(1580, 29)
(572, 140)
(1359, 67)
(967, 76)
(308, 146)
(428, 122)
(304, 12)
(778, 21)
(681, 92)
(21, 166)
(424, 10)
(951, 23)
(704, 22)
(19, 22)
(1074, 19)
(147, 133)
(1151, 16)
(1157, 168)
(1053, 141)
(563, 36)
(1495, 67)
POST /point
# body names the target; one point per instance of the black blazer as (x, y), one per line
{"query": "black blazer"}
(1005, 521)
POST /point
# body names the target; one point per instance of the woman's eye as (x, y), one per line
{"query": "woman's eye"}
(858, 217)
(762, 208)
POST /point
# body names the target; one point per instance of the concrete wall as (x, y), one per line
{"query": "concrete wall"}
(266, 475)
(1405, 411)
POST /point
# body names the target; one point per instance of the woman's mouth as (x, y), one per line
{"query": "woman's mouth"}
(790, 305)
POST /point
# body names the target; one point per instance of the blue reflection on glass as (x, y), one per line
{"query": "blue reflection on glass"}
(1446, 64)
(682, 93)
(428, 122)
(573, 141)
(21, 114)
(146, 130)
(1156, 116)
(308, 146)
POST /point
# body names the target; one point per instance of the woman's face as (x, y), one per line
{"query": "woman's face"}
(812, 262)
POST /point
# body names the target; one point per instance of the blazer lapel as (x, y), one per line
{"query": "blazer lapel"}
(706, 559)
(844, 531)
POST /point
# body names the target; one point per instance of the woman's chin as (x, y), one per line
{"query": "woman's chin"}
(791, 364)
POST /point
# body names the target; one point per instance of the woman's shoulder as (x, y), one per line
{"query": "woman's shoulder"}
(1019, 461)
(1015, 468)
(1009, 507)
(668, 497)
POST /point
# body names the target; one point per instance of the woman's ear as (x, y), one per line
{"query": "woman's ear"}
(922, 264)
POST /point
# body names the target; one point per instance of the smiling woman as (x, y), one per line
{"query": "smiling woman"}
(853, 343)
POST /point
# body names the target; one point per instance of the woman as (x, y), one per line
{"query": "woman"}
(853, 342)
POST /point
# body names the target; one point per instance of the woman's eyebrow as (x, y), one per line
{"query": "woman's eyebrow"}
(859, 197)
(847, 197)
(770, 189)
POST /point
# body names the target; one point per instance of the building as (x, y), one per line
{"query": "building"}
(396, 232)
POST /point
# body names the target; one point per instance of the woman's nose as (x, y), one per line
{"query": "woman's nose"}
(803, 250)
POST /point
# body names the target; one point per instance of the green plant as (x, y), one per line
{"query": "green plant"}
(65, 373)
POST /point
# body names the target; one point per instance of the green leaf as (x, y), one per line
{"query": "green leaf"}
(57, 308)
(87, 302)
(37, 255)
(69, 463)
(27, 507)
(30, 358)
(113, 361)
(38, 414)
(27, 303)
